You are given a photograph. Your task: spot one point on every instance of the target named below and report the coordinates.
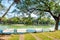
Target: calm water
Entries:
(31, 29)
(6, 27)
(3, 27)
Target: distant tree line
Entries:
(27, 21)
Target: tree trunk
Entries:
(7, 10)
(0, 20)
(56, 25)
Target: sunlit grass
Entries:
(43, 37)
(29, 37)
(55, 34)
(14, 37)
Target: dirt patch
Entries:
(21, 37)
(4, 37)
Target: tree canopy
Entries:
(41, 6)
(50, 6)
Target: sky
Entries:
(7, 4)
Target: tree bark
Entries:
(56, 20)
(56, 25)
(7, 10)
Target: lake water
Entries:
(3, 27)
(6, 27)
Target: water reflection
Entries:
(29, 29)
(3, 27)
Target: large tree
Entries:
(50, 6)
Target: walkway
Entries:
(4, 37)
(21, 37)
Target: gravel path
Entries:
(21, 37)
(5, 37)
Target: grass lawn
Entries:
(43, 36)
(14, 37)
(29, 37)
(53, 34)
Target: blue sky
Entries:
(7, 4)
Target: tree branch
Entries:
(38, 9)
(45, 11)
(7, 10)
(49, 10)
(46, 4)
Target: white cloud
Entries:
(33, 15)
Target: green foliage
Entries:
(4, 20)
(45, 20)
(27, 21)
(14, 20)
(52, 5)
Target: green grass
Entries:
(53, 34)
(26, 26)
(14, 37)
(29, 37)
(43, 37)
